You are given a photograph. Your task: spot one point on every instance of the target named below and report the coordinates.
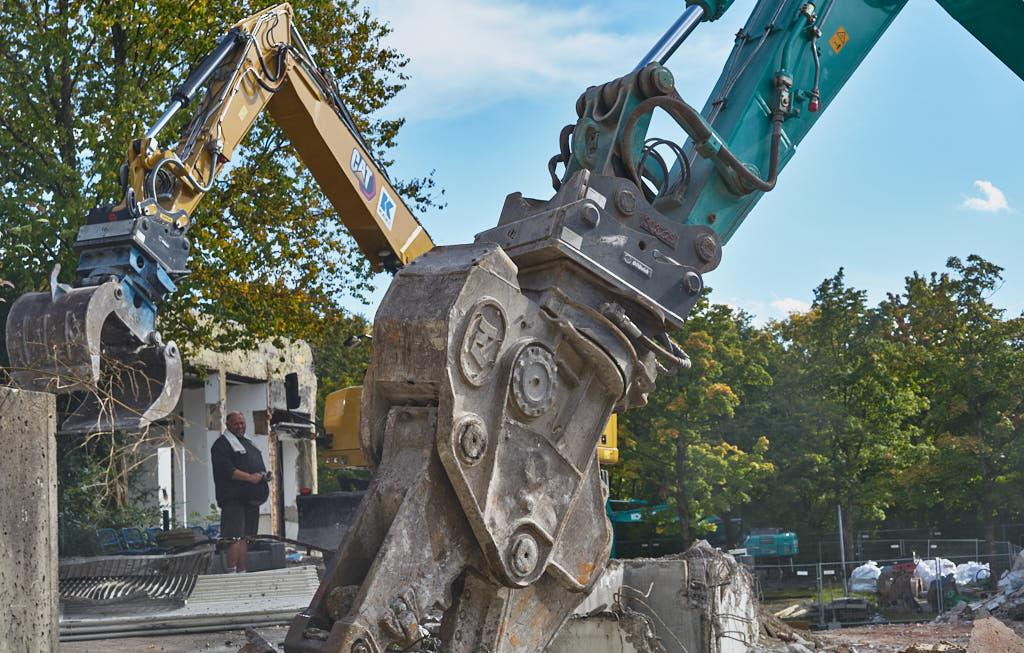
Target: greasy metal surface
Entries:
(88, 339)
(606, 225)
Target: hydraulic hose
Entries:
(692, 122)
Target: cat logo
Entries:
(364, 173)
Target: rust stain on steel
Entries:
(525, 602)
(436, 541)
(541, 619)
(585, 571)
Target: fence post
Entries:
(821, 598)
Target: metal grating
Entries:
(112, 579)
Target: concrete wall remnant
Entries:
(698, 601)
(28, 522)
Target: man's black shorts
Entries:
(238, 519)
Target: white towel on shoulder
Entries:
(233, 441)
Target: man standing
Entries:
(240, 479)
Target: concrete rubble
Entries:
(700, 600)
(1007, 604)
(991, 636)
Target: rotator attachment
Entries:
(94, 339)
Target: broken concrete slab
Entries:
(605, 632)
(992, 636)
(701, 600)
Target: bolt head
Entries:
(625, 201)
(472, 441)
(663, 80)
(692, 283)
(707, 248)
(524, 554)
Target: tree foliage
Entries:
(856, 434)
(971, 361)
(904, 414)
(79, 79)
(675, 444)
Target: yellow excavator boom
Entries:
(100, 335)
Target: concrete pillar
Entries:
(28, 522)
(204, 411)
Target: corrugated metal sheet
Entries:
(224, 601)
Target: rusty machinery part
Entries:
(481, 413)
(459, 493)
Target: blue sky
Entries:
(918, 159)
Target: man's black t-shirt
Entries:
(226, 460)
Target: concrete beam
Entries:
(28, 522)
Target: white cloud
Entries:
(469, 54)
(993, 201)
(790, 305)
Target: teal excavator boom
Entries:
(788, 64)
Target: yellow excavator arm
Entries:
(100, 336)
(268, 66)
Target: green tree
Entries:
(675, 443)
(80, 79)
(972, 360)
(846, 388)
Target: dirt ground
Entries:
(893, 638)
(868, 639)
(226, 641)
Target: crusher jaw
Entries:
(94, 339)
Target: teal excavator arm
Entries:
(788, 64)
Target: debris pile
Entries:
(776, 635)
(1007, 604)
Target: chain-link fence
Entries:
(906, 542)
(823, 594)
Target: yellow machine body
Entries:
(341, 421)
(608, 449)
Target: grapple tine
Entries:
(90, 339)
(136, 388)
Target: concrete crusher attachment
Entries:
(92, 340)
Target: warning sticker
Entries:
(839, 39)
